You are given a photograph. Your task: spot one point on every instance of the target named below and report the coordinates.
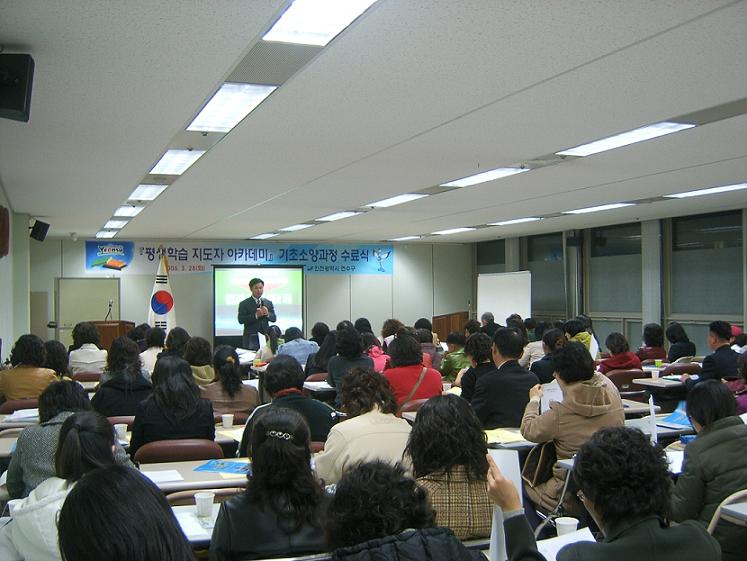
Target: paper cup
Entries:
(654, 374)
(204, 503)
(566, 525)
(446, 386)
(121, 431)
(227, 420)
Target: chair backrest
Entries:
(315, 446)
(87, 376)
(412, 405)
(318, 377)
(15, 404)
(178, 451)
(683, 360)
(733, 498)
(122, 420)
(678, 369)
(182, 498)
(623, 380)
(698, 358)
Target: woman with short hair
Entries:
(621, 358)
(27, 378)
(478, 350)
(409, 378)
(199, 355)
(85, 354)
(653, 343)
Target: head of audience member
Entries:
(174, 388)
(155, 338)
(139, 332)
(284, 373)
(116, 502)
(424, 336)
(559, 324)
(349, 343)
(86, 442)
(552, 340)
(197, 352)
(461, 440)
(572, 363)
(327, 350)
(455, 341)
(477, 348)
(740, 340)
(362, 325)
(514, 317)
(374, 500)
(573, 327)
(518, 325)
(653, 335)
(487, 318)
(369, 341)
(85, 333)
(708, 402)
(227, 369)
(176, 340)
(56, 357)
(319, 332)
(470, 327)
(28, 350)
(345, 324)
(616, 343)
(257, 286)
(586, 320)
(281, 470)
(719, 333)
(273, 337)
(363, 390)
(61, 397)
(622, 478)
(676, 333)
(124, 356)
(390, 327)
(508, 344)
(291, 334)
(405, 350)
(539, 328)
(423, 323)
(530, 324)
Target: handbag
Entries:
(414, 388)
(539, 464)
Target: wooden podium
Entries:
(110, 330)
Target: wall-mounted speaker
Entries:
(39, 230)
(16, 78)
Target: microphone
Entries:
(111, 303)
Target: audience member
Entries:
(318, 362)
(296, 346)
(431, 351)
(739, 343)
(380, 513)
(447, 448)
(575, 331)
(344, 324)
(33, 460)
(715, 464)
(621, 358)
(370, 432)
(281, 514)
(319, 332)
(679, 343)
(388, 330)
(531, 324)
(407, 376)
(372, 348)
(533, 350)
(455, 360)
(284, 381)
(117, 514)
(722, 362)
(478, 352)
(55, 358)
(227, 393)
(138, 334)
(174, 410)
(349, 355)
(543, 368)
(85, 355)
(593, 344)
(425, 323)
(653, 343)
(124, 386)
(588, 405)
(175, 341)
(624, 484)
(155, 339)
(740, 388)
(488, 325)
(199, 355)
(470, 327)
(501, 395)
(27, 378)
(272, 341)
(86, 443)
(362, 325)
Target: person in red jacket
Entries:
(620, 356)
(408, 372)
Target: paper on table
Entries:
(163, 476)
(550, 392)
(550, 547)
(235, 434)
(675, 458)
(508, 462)
(191, 527)
(253, 383)
(503, 436)
(23, 415)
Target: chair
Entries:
(13, 405)
(679, 369)
(698, 358)
(318, 377)
(623, 380)
(733, 498)
(315, 446)
(182, 498)
(122, 420)
(178, 451)
(412, 405)
(87, 376)
(683, 360)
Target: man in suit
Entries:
(501, 395)
(722, 362)
(255, 314)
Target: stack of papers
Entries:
(163, 476)
(21, 415)
(550, 548)
(675, 458)
(503, 436)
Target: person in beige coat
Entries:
(371, 432)
(589, 404)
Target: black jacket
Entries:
(248, 316)
(680, 349)
(543, 369)
(721, 363)
(501, 395)
(249, 530)
(469, 379)
(431, 544)
(121, 395)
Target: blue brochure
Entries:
(226, 466)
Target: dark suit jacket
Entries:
(543, 369)
(248, 318)
(721, 363)
(501, 395)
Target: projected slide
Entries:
(283, 286)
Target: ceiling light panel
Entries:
(453, 231)
(398, 200)
(176, 162)
(264, 236)
(106, 234)
(626, 138)
(485, 176)
(515, 221)
(230, 104)
(337, 216)
(315, 22)
(709, 191)
(115, 224)
(128, 211)
(147, 192)
(599, 208)
(296, 227)
(404, 239)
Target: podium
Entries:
(110, 330)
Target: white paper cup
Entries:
(654, 374)
(446, 386)
(204, 503)
(121, 431)
(227, 420)
(566, 525)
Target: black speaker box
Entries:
(39, 230)
(16, 78)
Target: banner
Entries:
(161, 308)
(198, 257)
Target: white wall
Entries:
(6, 292)
(427, 280)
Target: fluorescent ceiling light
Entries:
(453, 231)
(515, 221)
(398, 200)
(264, 236)
(485, 176)
(115, 224)
(230, 104)
(709, 191)
(337, 216)
(315, 22)
(106, 234)
(176, 162)
(599, 208)
(128, 211)
(625, 138)
(147, 192)
(296, 227)
(404, 239)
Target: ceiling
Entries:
(413, 94)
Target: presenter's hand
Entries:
(263, 311)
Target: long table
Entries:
(180, 476)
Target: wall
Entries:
(6, 291)
(428, 280)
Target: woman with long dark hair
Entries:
(56, 358)
(123, 385)
(281, 512)
(679, 343)
(227, 393)
(318, 361)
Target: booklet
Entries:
(226, 466)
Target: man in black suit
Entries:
(722, 363)
(255, 314)
(489, 327)
(501, 395)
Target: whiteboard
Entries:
(504, 294)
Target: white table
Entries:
(191, 479)
(197, 530)
(659, 383)
(20, 423)
(737, 511)
(664, 432)
(7, 445)
(637, 408)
